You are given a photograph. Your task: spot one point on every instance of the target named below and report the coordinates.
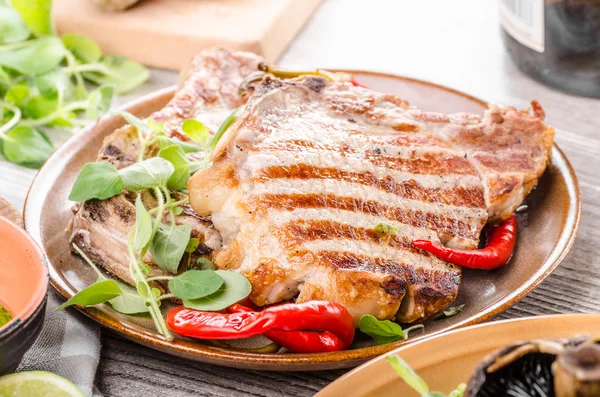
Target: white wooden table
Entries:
(455, 43)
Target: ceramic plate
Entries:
(447, 360)
(546, 232)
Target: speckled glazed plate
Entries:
(547, 231)
(447, 360)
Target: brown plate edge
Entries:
(332, 360)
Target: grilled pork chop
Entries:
(208, 93)
(310, 167)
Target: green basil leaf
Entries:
(37, 14)
(147, 174)
(135, 121)
(434, 394)
(178, 211)
(99, 292)
(155, 126)
(386, 229)
(143, 290)
(36, 56)
(168, 246)
(142, 232)
(408, 375)
(5, 80)
(50, 83)
(96, 180)
(235, 288)
(121, 72)
(203, 264)
(26, 146)
(129, 302)
(18, 95)
(40, 106)
(195, 284)
(99, 101)
(228, 121)
(196, 131)
(175, 155)
(454, 310)
(192, 245)
(382, 331)
(459, 391)
(164, 142)
(5, 316)
(12, 27)
(82, 47)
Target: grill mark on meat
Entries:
(409, 189)
(406, 127)
(415, 218)
(96, 210)
(427, 164)
(303, 230)
(514, 162)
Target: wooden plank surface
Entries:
(452, 43)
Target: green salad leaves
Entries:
(385, 331)
(156, 231)
(416, 382)
(45, 81)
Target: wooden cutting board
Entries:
(167, 33)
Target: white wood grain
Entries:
(455, 43)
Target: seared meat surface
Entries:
(208, 93)
(310, 167)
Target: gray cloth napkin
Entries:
(69, 346)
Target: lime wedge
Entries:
(37, 384)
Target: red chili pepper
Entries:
(332, 318)
(357, 84)
(497, 252)
(300, 341)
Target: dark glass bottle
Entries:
(557, 41)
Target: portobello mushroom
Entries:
(539, 368)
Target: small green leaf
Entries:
(192, 245)
(196, 131)
(178, 211)
(175, 155)
(155, 126)
(408, 375)
(168, 246)
(40, 106)
(195, 284)
(129, 302)
(26, 146)
(18, 95)
(36, 56)
(203, 264)
(454, 310)
(459, 392)
(5, 316)
(164, 142)
(143, 290)
(136, 122)
(147, 174)
(12, 27)
(121, 72)
(37, 14)
(235, 288)
(228, 121)
(96, 180)
(99, 292)
(382, 331)
(82, 47)
(99, 102)
(142, 232)
(386, 229)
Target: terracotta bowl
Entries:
(23, 288)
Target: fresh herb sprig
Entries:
(416, 382)
(164, 240)
(44, 80)
(384, 331)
